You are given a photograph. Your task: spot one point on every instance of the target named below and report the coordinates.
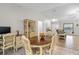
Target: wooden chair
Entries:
(52, 45)
(42, 34)
(8, 42)
(48, 50)
(49, 34)
(18, 42)
(32, 34)
(28, 48)
(26, 45)
(1, 42)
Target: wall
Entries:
(74, 21)
(62, 15)
(13, 16)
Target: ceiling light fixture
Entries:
(54, 20)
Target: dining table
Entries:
(35, 42)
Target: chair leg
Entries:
(14, 49)
(3, 51)
(41, 51)
(50, 52)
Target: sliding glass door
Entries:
(68, 28)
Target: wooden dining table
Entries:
(40, 44)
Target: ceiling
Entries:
(64, 11)
(39, 7)
(59, 10)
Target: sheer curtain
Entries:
(40, 29)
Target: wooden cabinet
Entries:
(29, 28)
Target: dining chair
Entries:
(1, 41)
(26, 45)
(18, 42)
(42, 34)
(29, 50)
(50, 49)
(32, 34)
(49, 34)
(8, 42)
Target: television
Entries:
(5, 30)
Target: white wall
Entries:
(46, 24)
(74, 21)
(63, 17)
(13, 16)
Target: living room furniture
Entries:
(1, 43)
(49, 34)
(54, 41)
(49, 49)
(29, 28)
(28, 48)
(18, 42)
(61, 34)
(26, 45)
(32, 34)
(40, 44)
(8, 42)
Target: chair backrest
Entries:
(42, 34)
(26, 44)
(54, 41)
(49, 34)
(32, 34)
(8, 39)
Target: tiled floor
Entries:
(71, 42)
(57, 51)
(64, 51)
(69, 46)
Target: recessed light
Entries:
(54, 20)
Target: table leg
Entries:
(41, 52)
